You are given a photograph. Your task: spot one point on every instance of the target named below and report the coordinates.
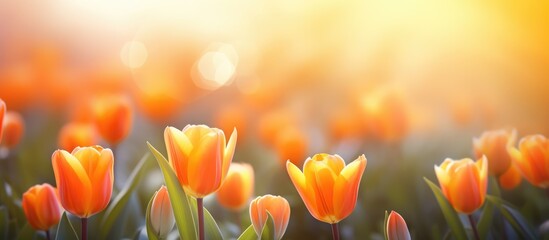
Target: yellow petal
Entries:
(346, 187)
(229, 152)
(205, 165)
(73, 183)
(300, 183)
(179, 147)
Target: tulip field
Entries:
(383, 120)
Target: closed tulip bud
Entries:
(464, 183)
(14, 128)
(328, 188)
(532, 159)
(2, 114)
(200, 157)
(493, 145)
(76, 134)
(113, 118)
(396, 227)
(84, 179)
(161, 215)
(277, 206)
(237, 188)
(511, 178)
(41, 207)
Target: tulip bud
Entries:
(396, 227)
(41, 206)
(532, 159)
(84, 178)
(277, 206)
(238, 187)
(13, 129)
(464, 183)
(76, 134)
(113, 118)
(493, 144)
(161, 215)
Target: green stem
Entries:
(473, 226)
(84, 229)
(200, 208)
(335, 231)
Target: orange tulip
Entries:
(84, 178)
(14, 128)
(199, 157)
(113, 117)
(511, 178)
(76, 134)
(328, 188)
(161, 215)
(291, 144)
(2, 113)
(396, 227)
(238, 187)
(532, 159)
(277, 206)
(41, 206)
(464, 183)
(230, 117)
(493, 144)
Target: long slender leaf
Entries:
(65, 230)
(211, 229)
(450, 214)
(516, 220)
(268, 231)
(248, 234)
(120, 202)
(151, 234)
(180, 204)
(485, 220)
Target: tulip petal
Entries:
(102, 181)
(301, 184)
(205, 163)
(465, 194)
(179, 147)
(346, 187)
(87, 157)
(228, 153)
(73, 183)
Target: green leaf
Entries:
(450, 214)
(211, 229)
(485, 220)
(26, 232)
(494, 187)
(115, 209)
(516, 220)
(4, 222)
(248, 234)
(151, 234)
(65, 230)
(385, 225)
(178, 198)
(268, 231)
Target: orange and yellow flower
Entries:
(511, 178)
(464, 183)
(328, 188)
(161, 216)
(41, 206)
(14, 128)
(237, 188)
(532, 159)
(76, 134)
(493, 145)
(113, 117)
(277, 206)
(291, 144)
(2, 114)
(199, 157)
(84, 179)
(396, 227)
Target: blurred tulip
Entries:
(291, 144)
(18, 87)
(493, 144)
(41, 207)
(84, 178)
(277, 206)
(328, 188)
(386, 115)
(76, 134)
(271, 124)
(511, 178)
(238, 187)
(13, 129)
(199, 157)
(344, 124)
(464, 183)
(232, 117)
(396, 227)
(2, 114)
(161, 215)
(113, 117)
(532, 159)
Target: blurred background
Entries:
(407, 83)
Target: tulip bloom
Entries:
(328, 188)
(2, 113)
(84, 179)
(41, 207)
(76, 134)
(532, 159)
(14, 128)
(291, 144)
(464, 183)
(113, 118)
(161, 215)
(199, 157)
(511, 178)
(396, 227)
(277, 206)
(494, 144)
(237, 188)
